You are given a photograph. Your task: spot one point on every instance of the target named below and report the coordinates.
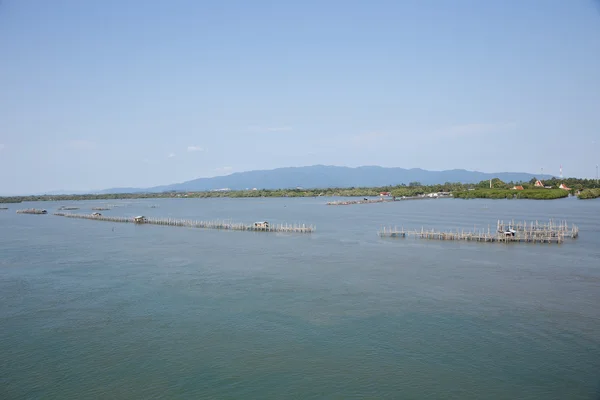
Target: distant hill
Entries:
(323, 176)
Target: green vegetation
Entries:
(495, 184)
(589, 194)
(536, 194)
(587, 188)
(413, 189)
(573, 183)
(500, 190)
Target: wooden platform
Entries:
(474, 236)
(542, 228)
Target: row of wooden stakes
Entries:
(188, 223)
(508, 235)
(550, 232)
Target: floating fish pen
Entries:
(363, 201)
(477, 236)
(188, 223)
(100, 208)
(390, 200)
(3, 208)
(32, 211)
(68, 208)
(550, 227)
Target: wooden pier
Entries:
(32, 211)
(223, 225)
(477, 236)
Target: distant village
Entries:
(540, 184)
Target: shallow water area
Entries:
(93, 309)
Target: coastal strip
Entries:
(188, 223)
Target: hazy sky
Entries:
(98, 94)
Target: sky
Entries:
(100, 94)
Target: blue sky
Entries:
(98, 94)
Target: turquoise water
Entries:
(93, 309)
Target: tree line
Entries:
(482, 189)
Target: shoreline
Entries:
(371, 200)
(369, 195)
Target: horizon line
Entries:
(59, 192)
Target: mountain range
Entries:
(325, 176)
